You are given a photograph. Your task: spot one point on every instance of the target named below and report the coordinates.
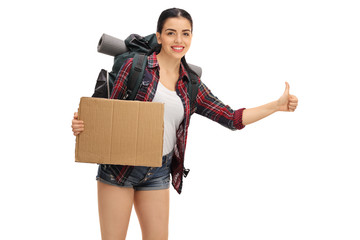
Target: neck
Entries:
(168, 64)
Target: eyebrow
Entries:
(185, 30)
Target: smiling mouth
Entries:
(178, 48)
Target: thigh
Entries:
(115, 205)
(152, 209)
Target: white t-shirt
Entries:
(173, 115)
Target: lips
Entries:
(178, 48)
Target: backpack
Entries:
(139, 48)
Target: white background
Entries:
(290, 176)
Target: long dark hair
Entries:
(174, 13)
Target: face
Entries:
(175, 37)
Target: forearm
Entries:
(251, 115)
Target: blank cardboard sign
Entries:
(120, 132)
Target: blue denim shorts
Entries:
(140, 178)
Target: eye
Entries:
(170, 33)
(187, 34)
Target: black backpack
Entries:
(138, 48)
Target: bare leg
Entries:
(152, 209)
(115, 205)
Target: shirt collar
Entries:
(153, 63)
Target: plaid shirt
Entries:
(206, 105)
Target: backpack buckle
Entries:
(138, 69)
(186, 172)
(127, 94)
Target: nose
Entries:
(178, 38)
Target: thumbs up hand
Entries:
(287, 102)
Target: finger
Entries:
(293, 101)
(74, 122)
(293, 98)
(292, 108)
(80, 127)
(287, 88)
(76, 115)
(77, 132)
(77, 127)
(77, 122)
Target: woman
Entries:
(166, 78)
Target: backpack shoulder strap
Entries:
(136, 75)
(193, 88)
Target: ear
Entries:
(158, 38)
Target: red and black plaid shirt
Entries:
(206, 105)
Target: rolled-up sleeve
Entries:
(208, 105)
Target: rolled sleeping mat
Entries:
(113, 46)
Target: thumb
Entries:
(76, 115)
(287, 88)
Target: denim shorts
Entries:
(140, 178)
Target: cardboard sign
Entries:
(120, 132)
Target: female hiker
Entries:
(165, 80)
